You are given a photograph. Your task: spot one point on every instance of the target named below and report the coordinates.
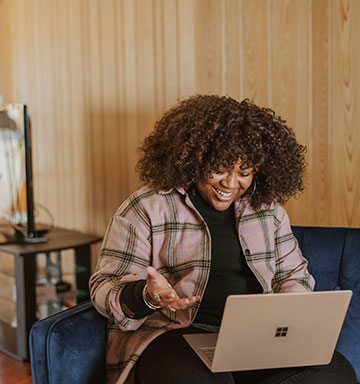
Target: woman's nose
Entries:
(230, 180)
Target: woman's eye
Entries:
(247, 172)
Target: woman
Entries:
(208, 223)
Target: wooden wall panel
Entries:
(232, 50)
(186, 47)
(109, 102)
(64, 132)
(320, 164)
(78, 119)
(97, 74)
(290, 77)
(7, 47)
(130, 84)
(345, 117)
(255, 50)
(6, 64)
(208, 38)
(95, 109)
(147, 94)
(41, 107)
(170, 54)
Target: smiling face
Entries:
(221, 189)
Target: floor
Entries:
(13, 371)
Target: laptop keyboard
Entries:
(208, 352)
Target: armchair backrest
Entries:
(334, 261)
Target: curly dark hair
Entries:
(206, 133)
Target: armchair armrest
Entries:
(69, 347)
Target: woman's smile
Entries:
(223, 195)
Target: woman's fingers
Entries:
(156, 279)
(154, 275)
(185, 303)
(168, 294)
(164, 295)
(159, 288)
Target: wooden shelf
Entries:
(20, 271)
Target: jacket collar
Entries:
(180, 190)
(241, 204)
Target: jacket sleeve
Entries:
(124, 256)
(291, 273)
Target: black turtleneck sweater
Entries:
(229, 273)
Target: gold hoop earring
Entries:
(254, 189)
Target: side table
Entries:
(25, 282)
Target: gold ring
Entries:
(157, 297)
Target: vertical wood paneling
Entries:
(109, 97)
(39, 156)
(78, 123)
(255, 51)
(170, 41)
(85, 86)
(186, 47)
(158, 58)
(43, 114)
(290, 71)
(56, 134)
(97, 74)
(6, 63)
(208, 46)
(345, 102)
(147, 94)
(64, 140)
(233, 53)
(121, 127)
(95, 79)
(68, 63)
(320, 165)
(131, 83)
(18, 57)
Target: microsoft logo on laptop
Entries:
(281, 331)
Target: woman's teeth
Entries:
(223, 193)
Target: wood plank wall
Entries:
(96, 74)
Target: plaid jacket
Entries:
(163, 229)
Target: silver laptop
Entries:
(274, 331)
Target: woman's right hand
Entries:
(163, 294)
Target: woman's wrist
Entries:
(148, 299)
(131, 301)
(127, 311)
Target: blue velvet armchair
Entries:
(69, 347)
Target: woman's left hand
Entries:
(162, 293)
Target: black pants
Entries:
(169, 360)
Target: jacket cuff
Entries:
(131, 301)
